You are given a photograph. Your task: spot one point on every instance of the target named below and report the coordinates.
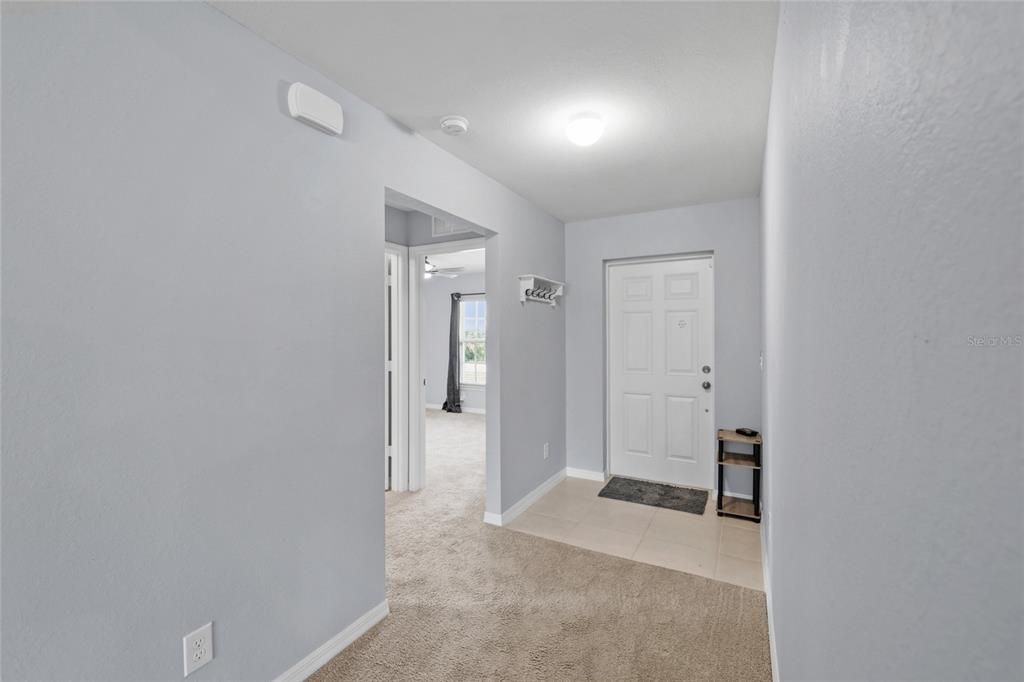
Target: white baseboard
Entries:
(335, 645)
(766, 577)
(468, 410)
(587, 474)
(519, 507)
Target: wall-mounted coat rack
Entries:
(540, 289)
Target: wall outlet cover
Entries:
(198, 647)
(547, 450)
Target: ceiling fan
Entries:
(431, 270)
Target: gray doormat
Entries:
(656, 494)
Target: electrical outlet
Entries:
(547, 450)
(198, 647)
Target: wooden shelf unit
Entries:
(737, 506)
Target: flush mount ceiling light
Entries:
(584, 129)
(455, 125)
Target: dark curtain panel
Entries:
(453, 401)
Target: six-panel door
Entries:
(660, 337)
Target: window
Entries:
(473, 341)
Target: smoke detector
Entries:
(455, 125)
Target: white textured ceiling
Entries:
(683, 88)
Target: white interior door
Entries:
(661, 344)
(390, 366)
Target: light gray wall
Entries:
(396, 226)
(420, 228)
(436, 301)
(732, 230)
(535, 334)
(414, 228)
(191, 410)
(893, 213)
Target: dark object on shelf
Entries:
(744, 431)
(737, 506)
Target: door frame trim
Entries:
(400, 389)
(661, 258)
(417, 397)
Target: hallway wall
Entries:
(893, 208)
(192, 356)
(731, 230)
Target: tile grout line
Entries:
(643, 535)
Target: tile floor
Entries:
(716, 547)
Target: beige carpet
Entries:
(475, 602)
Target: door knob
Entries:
(706, 385)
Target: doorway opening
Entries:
(453, 357)
(436, 345)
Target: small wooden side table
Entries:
(737, 506)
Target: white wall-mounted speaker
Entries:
(315, 108)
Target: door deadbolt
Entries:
(706, 369)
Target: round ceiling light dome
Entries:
(455, 125)
(584, 129)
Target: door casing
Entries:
(711, 436)
(400, 362)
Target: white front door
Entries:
(661, 345)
